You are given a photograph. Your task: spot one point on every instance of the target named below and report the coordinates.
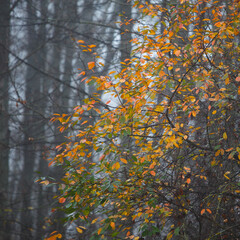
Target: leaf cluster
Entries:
(162, 156)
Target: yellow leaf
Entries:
(79, 230)
(159, 108)
(177, 52)
(46, 182)
(170, 235)
(225, 136)
(116, 166)
(194, 113)
(91, 65)
(112, 224)
(94, 220)
(227, 80)
(225, 175)
(77, 198)
(82, 154)
(222, 151)
(187, 169)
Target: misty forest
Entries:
(120, 119)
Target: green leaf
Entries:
(99, 150)
(115, 234)
(176, 231)
(122, 119)
(134, 158)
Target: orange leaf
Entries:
(188, 180)
(112, 224)
(54, 237)
(102, 157)
(84, 122)
(152, 165)
(209, 211)
(99, 231)
(153, 173)
(82, 73)
(92, 46)
(83, 79)
(218, 24)
(62, 200)
(217, 152)
(51, 163)
(238, 79)
(91, 65)
(123, 160)
(203, 211)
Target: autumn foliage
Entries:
(160, 158)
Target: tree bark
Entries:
(32, 123)
(4, 128)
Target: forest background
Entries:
(147, 102)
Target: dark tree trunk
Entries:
(32, 124)
(4, 128)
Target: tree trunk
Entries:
(32, 123)
(42, 204)
(4, 129)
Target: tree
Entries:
(42, 56)
(4, 120)
(177, 100)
